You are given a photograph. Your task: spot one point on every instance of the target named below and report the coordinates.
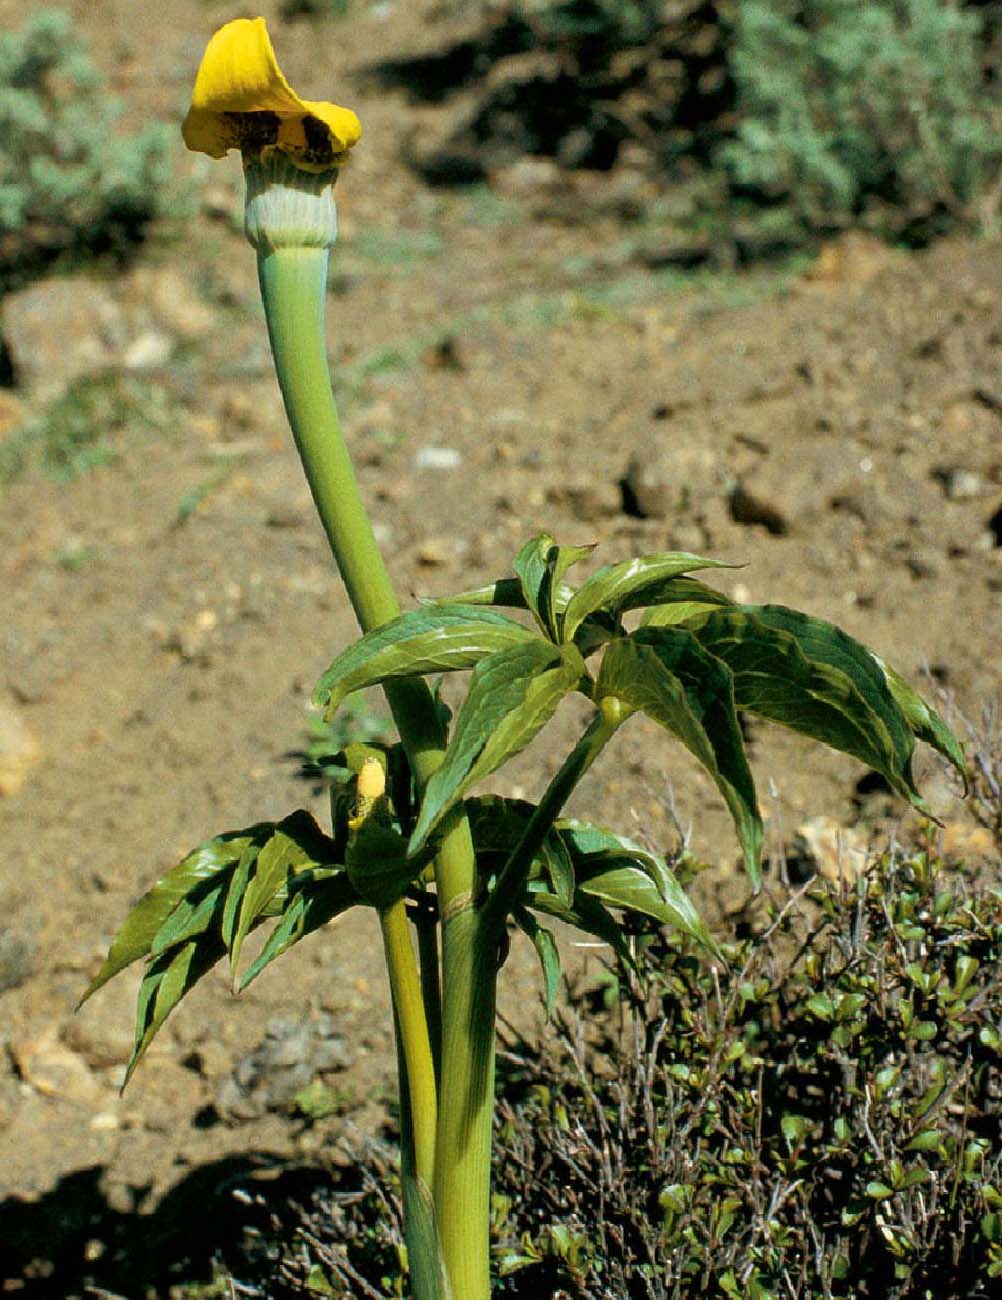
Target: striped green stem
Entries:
(413, 1037)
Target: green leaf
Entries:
(235, 892)
(775, 679)
(629, 585)
(378, 865)
(547, 952)
(433, 639)
(167, 979)
(682, 599)
(556, 863)
(540, 566)
(630, 887)
(595, 850)
(506, 593)
(585, 913)
(297, 843)
(314, 898)
(424, 1254)
(666, 673)
(923, 719)
(512, 695)
(145, 920)
(193, 916)
(824, 643)
(534, 575)
(497, 825)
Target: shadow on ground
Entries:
(232, 1213)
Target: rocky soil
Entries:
(505, 362)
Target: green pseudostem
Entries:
(291, 222)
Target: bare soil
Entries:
(834, 426)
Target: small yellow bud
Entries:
(371, 780)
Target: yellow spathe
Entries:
(242, 101)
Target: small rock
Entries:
(10, 1097)
(961, 484)
(823, 847)
(284, 514)
(290, 1056)
(177, 305)
(60, 329)
(119, 1196)
(19, 750)
(222, 203)
(855, 258)
(17, 959)
(55, 1070)
(446, 354)
(798, 481)
(924, 562)
(192, 640)
(12, 413)
(748, 507)
(587, 499)
(438, 458)
(959, 418)
(665, 476)
(962, 840)
(148, 351)
(527, 177)
(435, 552)
(210, 1059)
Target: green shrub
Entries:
(616, 23)
(876, 111)
(819, 1120)
(68, 181)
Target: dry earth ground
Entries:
(504, 364)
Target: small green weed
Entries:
(192, 499)
(75, 558)
(74, 433)
(319, 1100)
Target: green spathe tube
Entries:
(291, 221)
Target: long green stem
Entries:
(293, 288)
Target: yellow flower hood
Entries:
(242, 101)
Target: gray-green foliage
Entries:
(848, 107)
(69, 180)
(615, 22)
